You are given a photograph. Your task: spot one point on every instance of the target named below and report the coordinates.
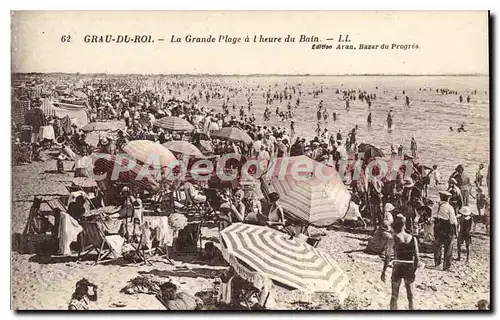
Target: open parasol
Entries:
(309, 191)
(150, 152)
(183, 147)
(234, 134)
(370, 151)
(173, 124)
(286, 260)
(116, 167)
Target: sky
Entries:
(449, 42)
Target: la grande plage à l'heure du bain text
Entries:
(338, 42)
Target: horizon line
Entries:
(260, 74)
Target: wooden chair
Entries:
(191, 207)
(94, 236)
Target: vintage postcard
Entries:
(250, 160)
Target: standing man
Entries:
(445, 228)
(369, 120)
(36, 119)
(375, 194)
(413, 147)
(405, 263)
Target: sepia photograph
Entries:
(250, 160)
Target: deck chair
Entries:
(191, 206)
(93, 239)
(56, 203)
(140, 250)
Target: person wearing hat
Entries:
(465, 227)
(126, 201)
(388, 218)
(103, 143)
(445, 228)
(276, 216)
(121, 141)
(317, 151)
(405, 263)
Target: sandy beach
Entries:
(44, 283)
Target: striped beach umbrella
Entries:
(275, 255)
(309, 190)
(117, 167)
(184, 147)
(150, 152)
(174, 124)
(312, 200)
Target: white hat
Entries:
(465, 211)
(388, 207)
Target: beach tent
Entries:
(77, 113)
(286, 260)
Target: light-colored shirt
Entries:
(388, 217)
(256, 147)
(446, 212)
(342, 152)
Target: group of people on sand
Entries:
(396, 210)
(397, 238)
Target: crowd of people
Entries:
(395, 209)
